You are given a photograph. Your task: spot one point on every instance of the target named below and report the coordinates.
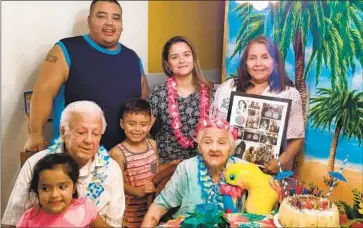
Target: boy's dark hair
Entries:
(135, 105)
(95, 1)
(54, 161)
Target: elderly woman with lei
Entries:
(197, 180)
(181, 103)
(262, 72)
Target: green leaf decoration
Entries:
(249, 225)
(253, 217)
(190, 221)
(357, 197)
(205, 215)
(349, 211)
(351, 222)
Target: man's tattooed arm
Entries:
(51, 58)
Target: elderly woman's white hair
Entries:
(80, 107)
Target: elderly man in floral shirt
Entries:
(100, 181)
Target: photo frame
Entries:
(261, 122)
(27, 98)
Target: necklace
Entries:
(99, 174)
(211, 192)
(176, 125)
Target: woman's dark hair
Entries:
(135, 105)
(278, 79)
(198, 77)
(55, 161)
(243, 103)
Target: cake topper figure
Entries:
(337, 176)
(282, 175)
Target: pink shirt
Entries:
(80, 213)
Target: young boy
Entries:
(137, 158)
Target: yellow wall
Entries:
(200, 21)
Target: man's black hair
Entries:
(95, 1)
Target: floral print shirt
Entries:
(168, 147)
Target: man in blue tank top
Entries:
(92, 67)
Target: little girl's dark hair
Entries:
(54, 161)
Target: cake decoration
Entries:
(337, 176)
(308, 211)
(304, 208)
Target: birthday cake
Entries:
(308, 211)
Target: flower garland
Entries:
(210, 191)
(219, 123)
(171, 86)
(99, 174)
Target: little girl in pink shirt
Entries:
(53, 182)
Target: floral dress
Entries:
(168, 147)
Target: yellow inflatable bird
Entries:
(262, 189)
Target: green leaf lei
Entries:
(99, 174)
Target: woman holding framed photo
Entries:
(262, 72)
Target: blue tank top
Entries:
(108, 78)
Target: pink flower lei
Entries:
(176, 125)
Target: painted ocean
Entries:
(317, 147)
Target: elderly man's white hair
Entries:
(81, 107)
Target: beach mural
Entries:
(322, 43)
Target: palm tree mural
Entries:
(337, 38)
(335, 44)
(341, 43)
(342, 108)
